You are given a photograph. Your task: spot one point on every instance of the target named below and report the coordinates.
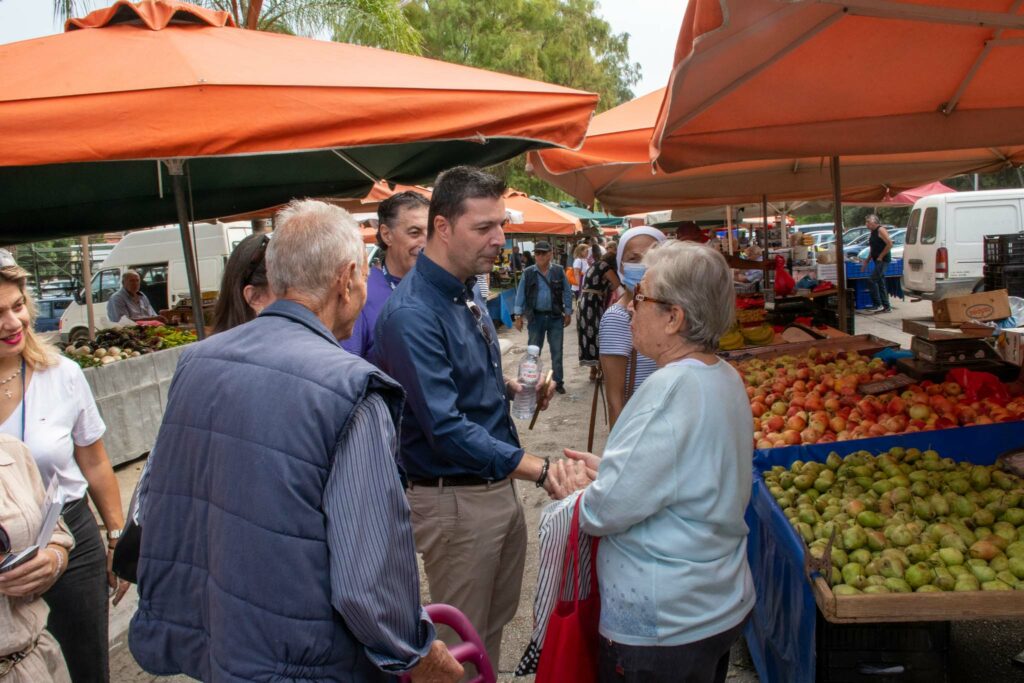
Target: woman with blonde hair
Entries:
(579, 268)
(46, 403)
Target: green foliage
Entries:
(559, 41)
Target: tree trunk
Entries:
(252, 18)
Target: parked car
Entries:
(822, 240)
(851, 234)
(945, 239)
(58, 288)
(898, 238)
(50, 309)
(852, 249)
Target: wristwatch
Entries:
(113, 534)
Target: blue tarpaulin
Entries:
(500, 307)
(780, 634)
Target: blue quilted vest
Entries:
(234, 576)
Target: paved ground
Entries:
(981, 650)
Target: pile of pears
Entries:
(907, 521)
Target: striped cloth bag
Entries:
(555, 524)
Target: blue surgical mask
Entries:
(632, 273)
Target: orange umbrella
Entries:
(378, 193)
(613, 167)
(136, 98)
(539, 218)
(766, 79)
(88, 116)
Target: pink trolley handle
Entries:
(470, 650)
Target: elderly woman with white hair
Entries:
(668, 496)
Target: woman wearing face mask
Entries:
(244, 291)
(615, 340)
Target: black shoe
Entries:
(887, 309)
(560, 389)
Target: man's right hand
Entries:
(518, 323)
(438, 666)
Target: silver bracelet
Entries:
(60, 562)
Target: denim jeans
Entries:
(546, 324)
(876, 285)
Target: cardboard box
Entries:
(828, 272)
(981, 306)
(1010, 345)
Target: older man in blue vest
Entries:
(277, 540)
(544, 300)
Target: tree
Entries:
(564, 42)
(378, 23)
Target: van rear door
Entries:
(969, 223)
(919, 249)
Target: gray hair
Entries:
(873, 217)
(312, 241)
(130, 271)
(697, 279)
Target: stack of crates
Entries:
(1004, 263)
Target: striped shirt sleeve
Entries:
(374, 577)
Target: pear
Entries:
(843, 589)
(944, 579)
(1015, 549)
(999, 563)
(981, 478)
(854, 537)
(853, 575)
(919, 574)
(877, 589)
(1016, 566)
(928, 588)
(871, 520)
(951, 556)
(1014, 516)
(958, 570)
(995, 585)
(897, 585)
(983, 573)
(861, 556)
(964, 585)
(984, 550)
(1008, 578)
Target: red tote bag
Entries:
(570, 644)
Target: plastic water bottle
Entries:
(529, 376)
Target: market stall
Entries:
(845, 518)
(129, 371)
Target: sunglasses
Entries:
(256, 260)
(639, 297)
(478, 315)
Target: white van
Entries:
(158, 257)
(944, 254)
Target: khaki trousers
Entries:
(473, 542)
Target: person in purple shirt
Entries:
(401, 235)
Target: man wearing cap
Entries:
(544, 299)
(401, 235)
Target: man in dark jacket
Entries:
(278, 543)
(544, 299)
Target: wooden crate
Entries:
(909, 607)
(864, 344)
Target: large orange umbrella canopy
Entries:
(763, 79)
(86, 116)
(613, 167)
(539, 218)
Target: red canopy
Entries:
(909, 197)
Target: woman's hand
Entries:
(590, 461)
(37, 575)
(118, 586)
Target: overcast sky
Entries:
(653, 26)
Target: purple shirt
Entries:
(378, 288)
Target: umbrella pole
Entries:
(176, 169)
(837, 217)
(728, 227)
(87, 277)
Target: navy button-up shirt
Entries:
(456, 419)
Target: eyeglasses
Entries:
(5, 542)
(257, 259)
(481, 325)
(638, 297)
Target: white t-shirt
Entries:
(61, 414)
(581, 267)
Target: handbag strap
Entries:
(631, 375)
(572, 557)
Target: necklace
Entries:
(7, 392)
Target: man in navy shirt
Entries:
(460, 449)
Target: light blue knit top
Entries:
(669, 499)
